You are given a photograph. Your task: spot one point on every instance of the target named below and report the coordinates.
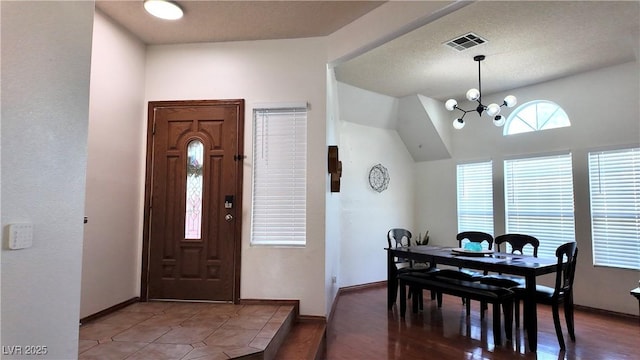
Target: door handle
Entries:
(228, 217)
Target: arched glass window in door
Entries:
(535, 116)
(193, 214)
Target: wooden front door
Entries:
(191, 248)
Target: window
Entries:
(279, 177)
(539, 200)
(193, 212)
(614, 183)
(475, 197)
(535, 116)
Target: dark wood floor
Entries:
(362, 328)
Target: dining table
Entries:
(526, 266)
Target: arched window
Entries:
(534, 116)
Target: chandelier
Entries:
(492, 110)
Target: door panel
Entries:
(180, 264)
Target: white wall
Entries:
(46, 52)
(436, 200)
(333, 235)
(603, 108)
(366, 214)
(367, 108)
(115, 169)
(259, 72)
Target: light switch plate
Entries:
(20, 236)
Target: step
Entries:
(307, 340)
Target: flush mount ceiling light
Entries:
(163, 9)
(492, 110)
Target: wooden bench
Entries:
(466, 289)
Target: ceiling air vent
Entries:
(465, 41)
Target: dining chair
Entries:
(466, 274)
(517, 242)
(561, 293)
(398, 237)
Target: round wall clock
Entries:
(379, 178)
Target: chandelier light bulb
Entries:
(510, 101)
(458, 124)
(450, 104)
(499, 120)
(473, 94)
(493, 109)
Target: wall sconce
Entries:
(335, 168)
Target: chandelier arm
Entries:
(464, 111)
(461, 109)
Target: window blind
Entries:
(279, 177)
(475, 197)
(614, 183)
(539, 200)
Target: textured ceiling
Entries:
(214, 21)
(528, 42)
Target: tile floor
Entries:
(180, 330)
